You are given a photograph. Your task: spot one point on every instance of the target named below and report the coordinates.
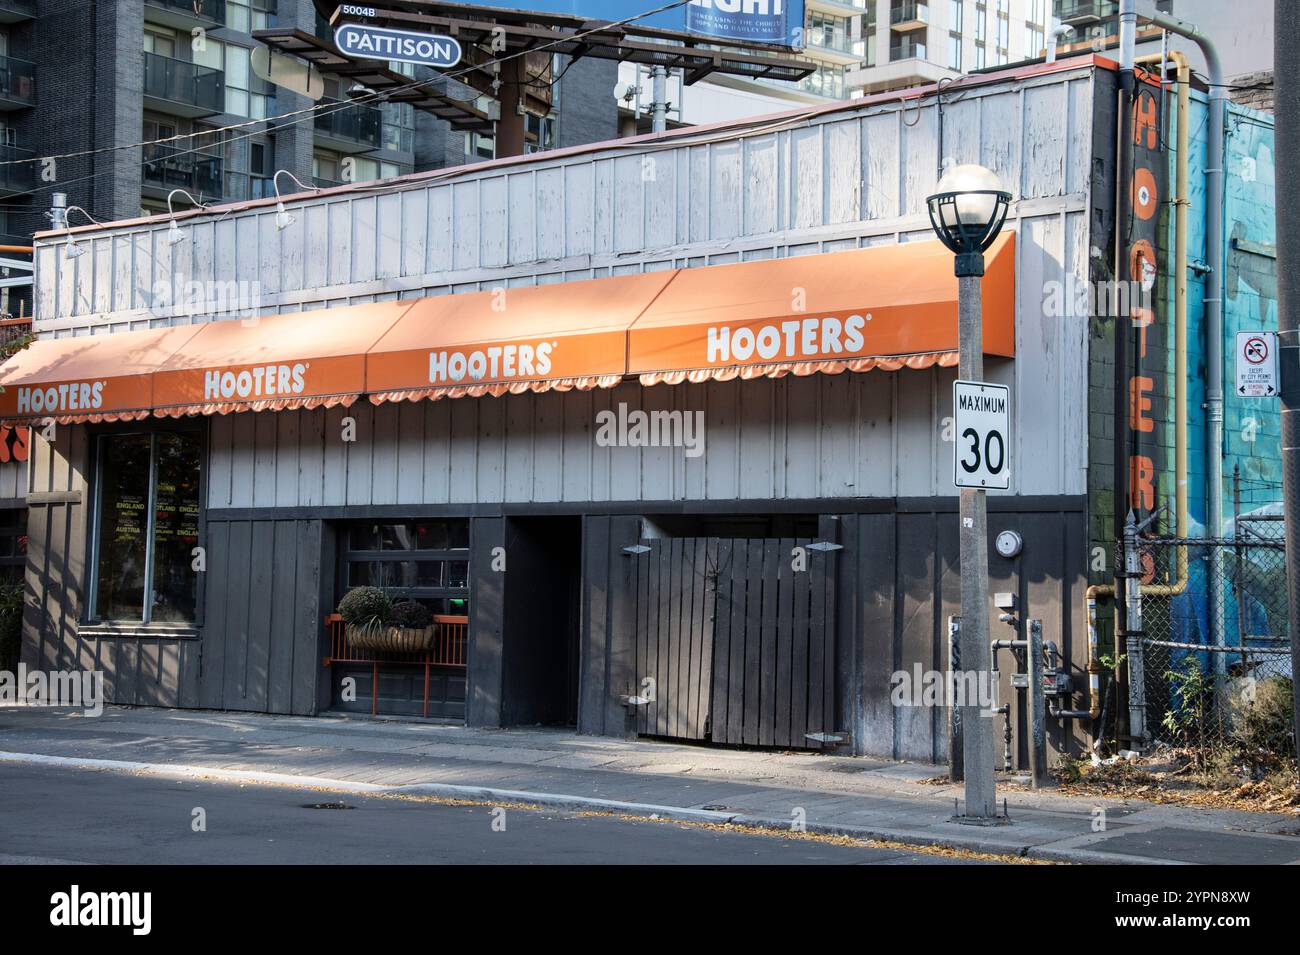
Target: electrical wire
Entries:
(310, 112)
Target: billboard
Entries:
(777, 22)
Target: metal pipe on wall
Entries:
(1216, 253)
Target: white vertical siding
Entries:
(848, 178)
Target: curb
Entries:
(574, 802)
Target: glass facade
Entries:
(426, 561)
(146, 527)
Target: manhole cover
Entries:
(327, 805)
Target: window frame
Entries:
(96, 435)
(346, 554)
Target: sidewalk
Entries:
(861, 797)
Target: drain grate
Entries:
(327, 805)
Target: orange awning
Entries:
(889, 307)
(509, 340)
(298, 360)
(88, 378)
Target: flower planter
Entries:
(390, 639)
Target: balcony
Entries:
(908, 47)
(166, 168)
(185, 14)
(182, 88)
(841, 7)
(19, 177)
(902, 74)
(835, 46)
(17, 11)
(17, 84)
(349, 129)
(909, 16)
(1085, 12)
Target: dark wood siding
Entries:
(897, 581)
(263, 638)
(259, 646)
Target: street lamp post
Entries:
(967, 211)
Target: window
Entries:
(954, 51)
(478, 146)
(869, 34)
(539, 133)
(828, 31)
(246, 94)
(398, 126)
(426, 561)
(13, 544)
(955, 16)
(146, 527)
(155, 41)
(981, 21)
(249, 15)
(981, 56)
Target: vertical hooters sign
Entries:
(1137, 297)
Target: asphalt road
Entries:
(54, 814)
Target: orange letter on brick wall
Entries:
(1144, 120)
(1141, 484)
(1139, 404)
(1142, 318)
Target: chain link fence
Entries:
(1216, 654)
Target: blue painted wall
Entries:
(1251, 425)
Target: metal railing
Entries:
(213, 10)
(907, 48)
(838, 41)
(1067, 10)
(19, 176)
(180, 81)
(26, 8)
(166, 167)
(450, 649)
(17, 79)
(909, 12)
(354, 123)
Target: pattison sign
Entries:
(362, 42)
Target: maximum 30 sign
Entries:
(981, 422)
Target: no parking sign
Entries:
(1257, 364)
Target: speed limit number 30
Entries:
(981, 422)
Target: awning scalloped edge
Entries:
(497, 389)
(947, 359)
(185, 411)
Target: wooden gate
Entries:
(736, 640)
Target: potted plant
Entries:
(365, 612)
(374, 622)
(411, 626)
